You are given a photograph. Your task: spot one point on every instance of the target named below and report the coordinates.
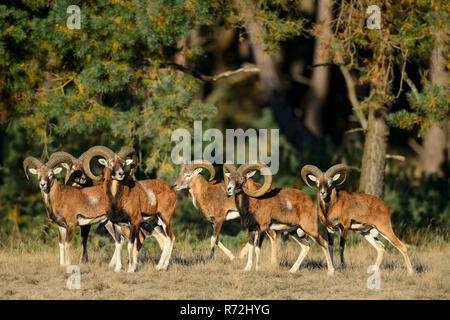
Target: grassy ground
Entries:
(37, 275)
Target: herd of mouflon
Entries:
(129, 207)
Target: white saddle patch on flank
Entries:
(93, 200)
(289, 204)
(150, 194)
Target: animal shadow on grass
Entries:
(308, 264)
(175, 259)
(393, 265)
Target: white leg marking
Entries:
(378, 246)
(62, 239)
(166, 251)
(158, 236)
(67, 253)
(248, 267)
(61, 254)
(226, 251)
(167, 245)
(405, 256)
(302, 255)
(244, 251)
(273, 243)
(257, 255)
(130, 256)
(329, 264)
(169, 254)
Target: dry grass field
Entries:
(37, 275)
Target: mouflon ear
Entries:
(250, 174)
(65, 165)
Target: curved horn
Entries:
(337, 168)
(261, 167)
(62, 154)
(59, 157)
(309, 168)
(203, 164)
(228, 167)
(33, 162)
(82, 156)
(129, 151)
(92, 152)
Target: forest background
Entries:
(135, 71)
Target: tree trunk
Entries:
(318, 91)
(291, 126)
(374, 156)
(435, 141)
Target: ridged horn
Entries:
(59, 157)
(228, 167)
(63, 154)
(129, 151)
(32, 162)
(261, 167)
(92, 152)
(310, 169)
(335, 169)
(202, 164)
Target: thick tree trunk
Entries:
(435, 141)
(318, 92)
(291, 126)
(373, 162)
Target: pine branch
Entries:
(411, 85)
(352, 96)
(229, 73)
(57, 88)
(395, 157)
(355, 130)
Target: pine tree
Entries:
(406, 33)
(110, 77)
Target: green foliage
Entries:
(427, 107)
(279, 19)
(423, 205)
(106, 83)
(408, 32)
(112, 83)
